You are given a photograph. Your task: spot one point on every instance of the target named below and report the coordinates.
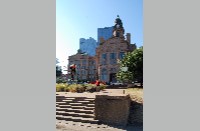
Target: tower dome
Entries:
(118, 29)
(118, 22)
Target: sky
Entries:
(77, 19)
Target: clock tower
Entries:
(118, 29)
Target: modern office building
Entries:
(104, 33)
(88, 46)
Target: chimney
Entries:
(128, 37)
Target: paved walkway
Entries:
(77, 126)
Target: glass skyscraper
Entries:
(105, 32)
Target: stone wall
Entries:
(112, 110)
(136, 114)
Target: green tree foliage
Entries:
(58, 71)
(58, 68)
(134, 62)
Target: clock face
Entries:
(117, 26)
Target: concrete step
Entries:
(76, 107)
(74, 103)
(83, 115)
(63, 106)
(79, 101)
(82, 104)
(77, 119)
(66, 100)
(75, 99)
(86, 101)
(75, 110)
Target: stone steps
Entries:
(75, 110)
(77, 98)
(75, 103)
(76, 107)
(77, 119)
(63, 113)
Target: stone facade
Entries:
(110, 51)
(85, 66)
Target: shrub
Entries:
(79, 87)
(102, 87)
(61, 87)
(72, 88)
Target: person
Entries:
(97, 83)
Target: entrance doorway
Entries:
(113, 77)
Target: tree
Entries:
(58, 71)
(134, 62)
(58, 68)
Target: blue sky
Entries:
(77, 19)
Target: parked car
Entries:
(116, 83)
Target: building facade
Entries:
(104, 64)
(111, 50)
(88, 45)
(104, 33)
(85, 66)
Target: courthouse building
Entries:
(104, 64)
(109, 51)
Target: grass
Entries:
(136, 94)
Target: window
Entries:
(103, 59)
(112, 58)
(104, 74)
(112, 55)
(103, 56)
(84, 62)
(121, 55)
